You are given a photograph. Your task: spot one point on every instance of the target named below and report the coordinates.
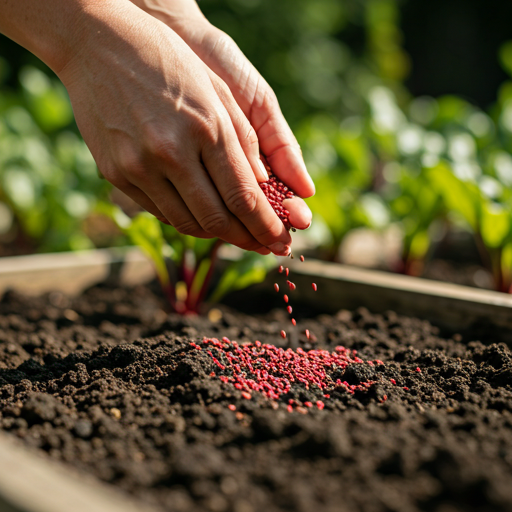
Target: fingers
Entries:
(278, 143)
(300, 214)
(193, 206)
(140, 198)
(244, 131)
(232, 177)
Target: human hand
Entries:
(165, 130)
(251, 92)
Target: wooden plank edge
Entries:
(30, 482)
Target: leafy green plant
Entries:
(185, 265)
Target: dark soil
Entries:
(110, 384)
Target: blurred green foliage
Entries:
(379, 156)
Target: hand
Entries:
(250, 91)
(166, 130)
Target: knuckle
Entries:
(188, 227)
(217, 223)
(242, 201)
(160, 146)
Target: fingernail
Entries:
(280, 249)
(262, 172)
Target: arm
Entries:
(160, 124)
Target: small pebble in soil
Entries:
(276, 287)
(314, 286)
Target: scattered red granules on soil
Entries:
(274, 371)
(276, 192)
(276, 287)
(314, 286)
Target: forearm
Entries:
(53, 30)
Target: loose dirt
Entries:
(115, 387)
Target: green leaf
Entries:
(461, 197)
(494, 225)
(145, 231)
(250, 269)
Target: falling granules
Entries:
(274, 371)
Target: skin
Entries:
(174, 117)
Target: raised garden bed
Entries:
(112, 386)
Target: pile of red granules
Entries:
(273, 371)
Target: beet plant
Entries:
(185, 265)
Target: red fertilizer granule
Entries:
(384, 398)
(276, 192)
(314, 286)
(306, 332)
(232, 407)
(308, 404)
(276, 287)
(287, 271)
(280, 269)
(418, 369)
(285, 297)
(294, 322)
(291, 285)
(289, 308)
(301, 258)
(290, 408)
(393, 381)
(406, 388)
(273, 371)
(283, 334)
(320, 404)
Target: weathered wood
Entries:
(32, 483)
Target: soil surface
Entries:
(114, 386)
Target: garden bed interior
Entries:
(110, 385)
